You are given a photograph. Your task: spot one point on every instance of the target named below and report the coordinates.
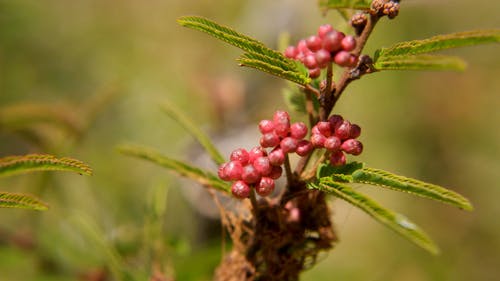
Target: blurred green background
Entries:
(77, 78)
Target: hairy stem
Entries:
(346, 77)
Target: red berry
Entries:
(222, 173)
(343, 130)
(302, 47)
(324, 128)
(323, 57)
(262, 165)
(332, 143)
(314, 73)
(304, 147)
(233, 170)
(335, 120)
(281, 121)
(342, 58)
(269, 140)
(288, 144)
(276, 172)
(332, 41)
(298, 130)
(315, 130)
(318, 140)
(265, 186)
(240, 189)
(310, 61)
(324, 29)
(240, 155)
(276, 157)
(352, 146)
(291, 52)
(314, 43)
(255, 153)
(250, 175)
(355, 131)
(348, 43)
(353, 61)
(337, 158)
(266, 126)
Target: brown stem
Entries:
(346, 77)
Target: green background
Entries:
(436, 126)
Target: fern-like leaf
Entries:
(440, 42)
(399, 183)
(204, 178)
(22, 201)
(262, 63)
(420, 62)
(11, 165)
(397, 222)
(345, 4)
(258, 55)
(194, 130)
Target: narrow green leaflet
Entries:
(394, 221)
(204, 178)
(194, 130)
(339, 4)
(399, 183)
(326, 170)
(23, 115)
(439, 42)
(420, 62)
(11, 165)
(252, 60)
(21, 201)
(257, 55)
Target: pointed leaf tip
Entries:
(21, 201)
(397, 222)
(11, 165)
(392, 181)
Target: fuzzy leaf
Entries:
(11, 165)
(339, 4)
(399, 183)
(394, 221)
(22, 201)
(440, 42)
(259, 62)
(420, 62)
(204, 178)
(257, 55)
(19, 116)
(325, 170)
(194, 130)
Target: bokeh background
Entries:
(77, 78)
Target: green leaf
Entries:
(194, 130)
(399, 183)
(339, 4)
(257, 55)
(204, 178)
(262, 63)
(24, 115)
(440, 42)
(326, 170)
(397, 222)
(420, 62)
(22, 201)
(11, 165)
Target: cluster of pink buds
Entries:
(257, 168)
(317, 51)
(337, 136)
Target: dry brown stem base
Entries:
(274, 243)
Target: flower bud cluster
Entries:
(337, 136)
(258, 168)
(389, 8)
(317, 51)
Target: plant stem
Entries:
(288, 171)
(346, 77)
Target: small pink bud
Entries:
(337, 158)
(240, 155)
(240, 189)
(304, 147)
(352, 146)
(265, 186)
(298, 130)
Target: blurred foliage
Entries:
(72, 52)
